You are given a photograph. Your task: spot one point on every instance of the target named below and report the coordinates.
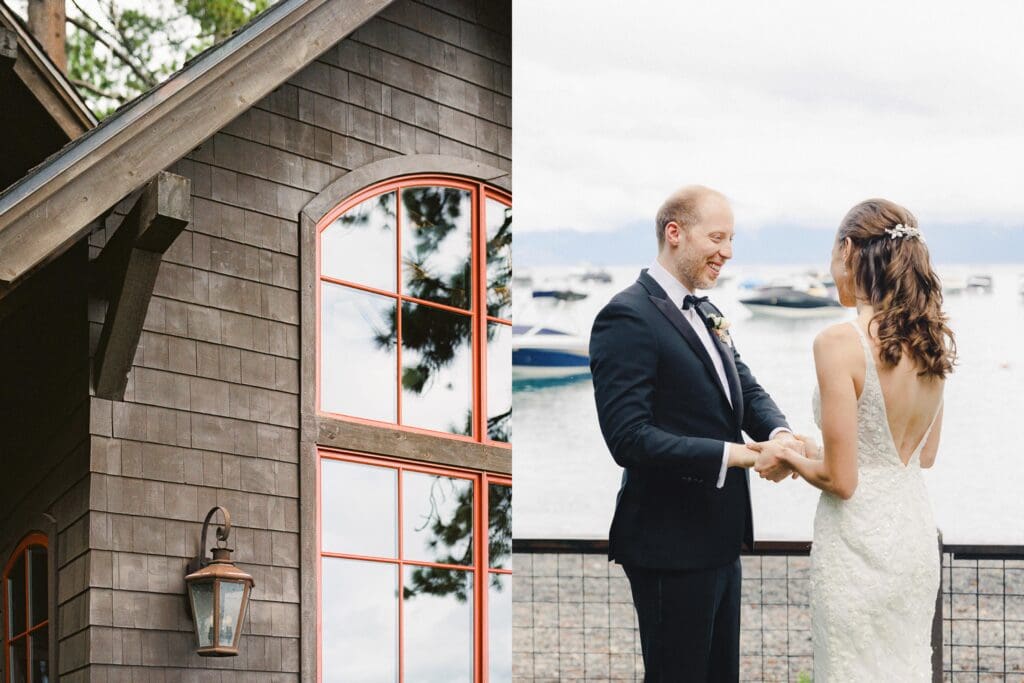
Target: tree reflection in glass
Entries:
(499, 515)
(436, 245)
(499, 259)
(359, 246)
(437, 518)
(499, 382)
(439, 527)
(438, 630)
(437, 369)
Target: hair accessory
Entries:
(900, 231)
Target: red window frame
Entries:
(480, 192)
(20, 554)
(481, 519)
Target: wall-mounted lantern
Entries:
(218, 594)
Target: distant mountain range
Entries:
(634, 244)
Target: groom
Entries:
(672, 398)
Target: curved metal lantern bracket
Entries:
(223, 532)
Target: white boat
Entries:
(979, 283)
(802, 297)
(545, 353)
(953, 283)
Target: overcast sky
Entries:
(795, 110)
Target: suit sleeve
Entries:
(760, 414)
(624, 364)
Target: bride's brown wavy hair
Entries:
(897, 279)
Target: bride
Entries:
(875, 560)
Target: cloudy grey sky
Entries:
(796, 110)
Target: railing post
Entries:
(937, 624)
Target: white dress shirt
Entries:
(676, 292)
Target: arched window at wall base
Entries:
(467, 456)
(25, 608)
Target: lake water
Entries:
(566, 481)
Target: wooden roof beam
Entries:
(126, 271)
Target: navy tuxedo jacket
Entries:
(665, 416)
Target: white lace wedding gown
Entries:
(875, 560)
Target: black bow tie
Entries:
(691, 301)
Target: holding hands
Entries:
(775, 457)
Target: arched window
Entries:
(26, 610)
(413, 308)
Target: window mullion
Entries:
(401, 578)
(398, 310)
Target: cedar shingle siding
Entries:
(211, 410)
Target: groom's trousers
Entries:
(689, 623)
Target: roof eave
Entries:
(50, 208)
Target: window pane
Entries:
(360, 621)
(499, 625)
(38, 586)
(437, 369)
(499, 518)
(436, 239)
(16, 597)
(437, 517)
(438, 625)
(18, 661)
(359, 508)
(357, 356)
(360, 245)
(40, 656)
(499, 382)
(499, 259)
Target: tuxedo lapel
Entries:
(733, 375)
(675, 316)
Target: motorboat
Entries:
(953, 283)
(790, 301)
(564, 294)
(540, 352)
(979, 283)
(599, 275)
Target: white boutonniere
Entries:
(720, 326)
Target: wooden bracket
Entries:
(125, 273)
(8, 44)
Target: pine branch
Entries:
(142, 76)
(99, 92)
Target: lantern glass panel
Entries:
(231, 615)
(202, 611)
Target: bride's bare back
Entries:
(911, 401)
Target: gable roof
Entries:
(48, 84)
(50, 208)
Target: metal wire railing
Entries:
(573, 616)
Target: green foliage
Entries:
(116, 53)
(803, 677)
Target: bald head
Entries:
(685, 206)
